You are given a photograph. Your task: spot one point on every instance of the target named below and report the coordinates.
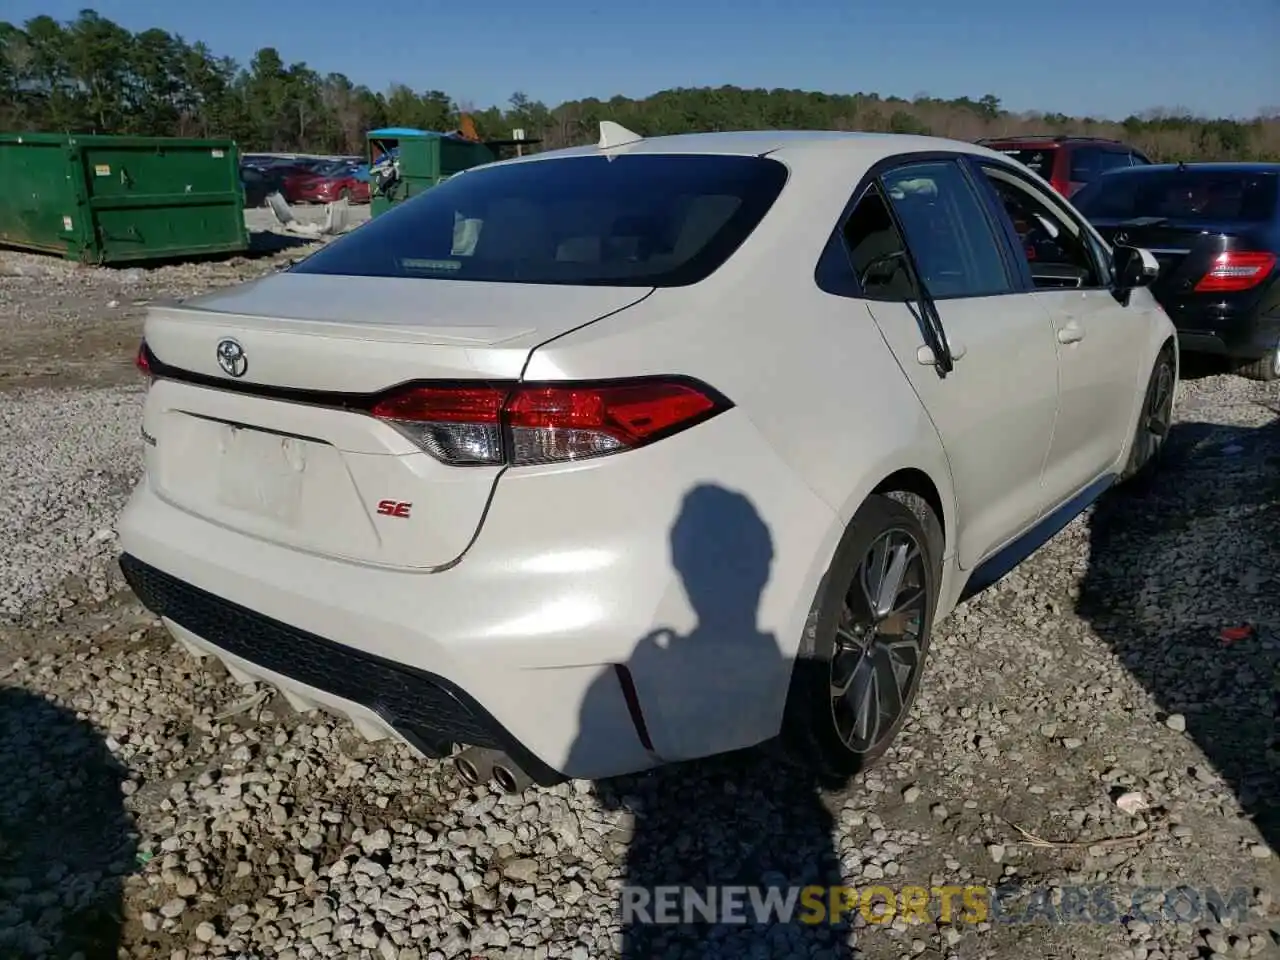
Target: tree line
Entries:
(90, 75)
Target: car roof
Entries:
(866, 147)
(1052, 140)
(1219, 166)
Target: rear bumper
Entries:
(381, 696)
(518, 646)
(1243, 335)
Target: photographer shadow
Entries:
(66, 840)
(1183, 584)
(745, 819)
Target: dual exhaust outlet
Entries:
(480, 765)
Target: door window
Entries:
(1056, 247)
(950, 236)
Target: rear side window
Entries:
(639, 220)
(1039, 162)
(1195, 195)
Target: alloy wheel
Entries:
(1160, 410)
(878, 647)
(1156, 420)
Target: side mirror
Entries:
(1134, 267)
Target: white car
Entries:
(595, 460)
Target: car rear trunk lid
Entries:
(1186, 250)
(286, 450)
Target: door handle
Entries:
(1070, 332)
(925, 356)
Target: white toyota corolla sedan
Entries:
(591, 461)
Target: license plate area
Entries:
(262, 473)
(292, 490)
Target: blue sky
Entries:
(1099, 57)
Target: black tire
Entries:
(814, 734)
(1265, 369)
(1154, 420)
(344, 194)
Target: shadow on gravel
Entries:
(66, 841)
(1188, 552)
(738, 820)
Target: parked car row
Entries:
(304, 179)
(1068, 163)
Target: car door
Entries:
(1099, 340)
(995, 409)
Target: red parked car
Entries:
(325, 184)
(1068, 163)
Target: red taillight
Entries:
(141, 361)
(549, 423)
(1234, 271)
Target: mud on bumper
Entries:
(427, 711)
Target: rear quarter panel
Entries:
(809, 370)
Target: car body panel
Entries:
(569, 609)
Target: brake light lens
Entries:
(544, 423)
(141, 360)
(457, 425)
(1234, 271)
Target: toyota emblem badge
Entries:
(231, 358)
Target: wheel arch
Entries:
(915, 481)
(930, 481)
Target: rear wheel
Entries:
(866, 639)
(1265, 368)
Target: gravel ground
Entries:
(155, 808)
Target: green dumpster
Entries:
(110, 200)
(404, 162)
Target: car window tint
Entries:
(1039, 162)
(1111, 159)
(1191, 194)
(1086, 164)
(629, 220)
(875, 249)
(1056, 247)
(950, 237)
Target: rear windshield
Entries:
(1039, 162)
(1217, 195)
(624, 221)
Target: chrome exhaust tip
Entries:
(510, 778)
(475, 765)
